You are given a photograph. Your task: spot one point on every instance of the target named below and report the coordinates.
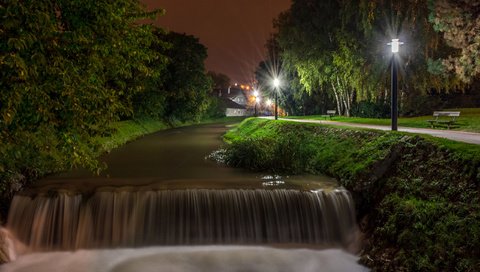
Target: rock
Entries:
(7, 246)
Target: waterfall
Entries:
(123, 217)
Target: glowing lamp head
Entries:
(395, 44)
(269, 102)
(258, 99)
(255, 93)
(276, 82)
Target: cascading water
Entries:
(126, 218)
(160, 191)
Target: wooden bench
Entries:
(330, 114)
(447, 118)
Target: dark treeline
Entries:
(70, 69)
(333, 54)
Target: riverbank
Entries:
(417, 197)
(33, 164)
(126, 131)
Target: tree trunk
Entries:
(337, 100)
(348, 98)
(344, 95)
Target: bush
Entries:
(418, 105)
(286, 154)
(214, 109)
(368, 109)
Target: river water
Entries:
(176, 159)
(182, 212)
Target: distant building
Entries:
(233, 100)
(232, 108)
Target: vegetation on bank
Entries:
(119, 133)
(126, 131)
(469, 120)
(69, 81)
(417, 198)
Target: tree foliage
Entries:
(220, 81)
(339, 47)
(309, 35)
(186, 83)
(459, 21)
(70, 68)
(182, 91)
(273, 67)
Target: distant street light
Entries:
(395, 44)
(257, 99)
(269, 105)
(276, 84)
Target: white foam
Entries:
(189, 259)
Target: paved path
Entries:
(460, 136)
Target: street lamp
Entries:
(269, 105)
(395, 44)
(255, 94)
(276, 84)
(257, 101)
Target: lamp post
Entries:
(276, 84)
(395, 44)
(255, 94)
(269, 105)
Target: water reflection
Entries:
(273, 183)
(177, 158)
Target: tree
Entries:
(186, 84)
(340, 47)
(459, 21)
(151, 102)
(67, 70)
(290, 95)
(308, 35)
(182, 91)
(220, 81)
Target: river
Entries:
(162, 206)
(176, 159)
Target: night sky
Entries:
(234, 31)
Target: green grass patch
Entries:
(125, 131)
(129, 130)
(469, 120)
(320, 149)
(417, 196)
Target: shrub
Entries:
(368, 109)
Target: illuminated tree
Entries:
(68, 68)
(340, 47)
(459, 21)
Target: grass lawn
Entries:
(469, 120)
